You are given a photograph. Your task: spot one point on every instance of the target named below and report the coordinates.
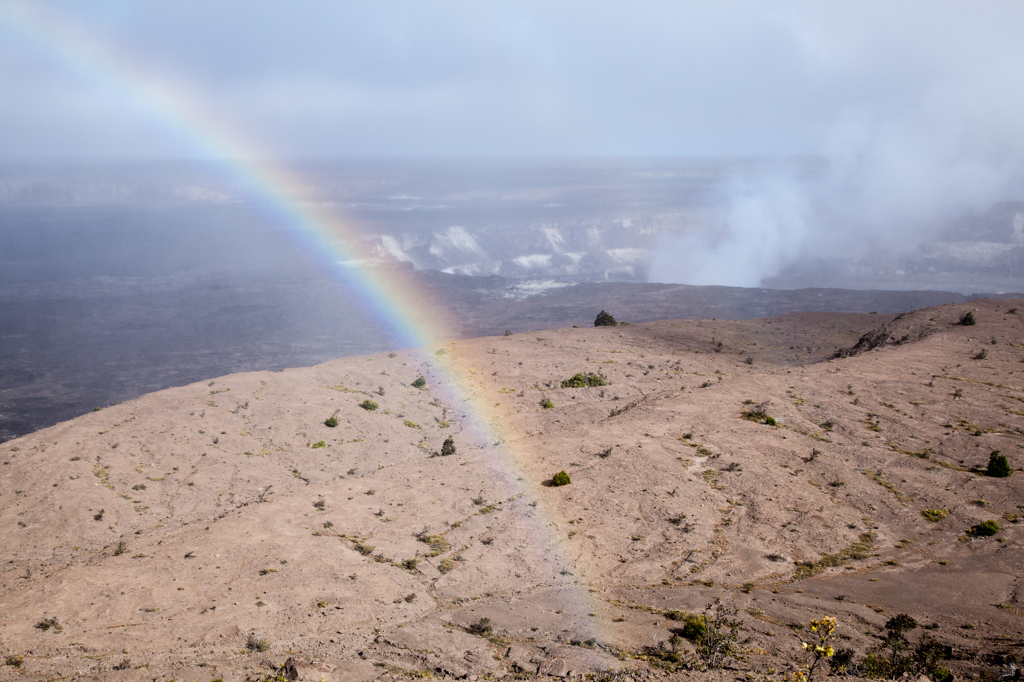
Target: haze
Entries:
(910, 113)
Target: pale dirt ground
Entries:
(675, 500)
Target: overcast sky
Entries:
(305, 78)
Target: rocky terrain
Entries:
(782, 464)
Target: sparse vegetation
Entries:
(331, 422)
(759, 414)
(48, 624)
(583, 381)
(419, 382)
(721, 638)
(448, 447)
(368, 405)
(320, 505)
(604, 319)
(547, 404)
(438, 543)
(446, 565)
(481, 628)
(998, 465)
(561, 478)
(967, 319)
(985, 529)
(256, 644)
(934, 515)
(855, 551)
(14, 661)
(319, 444)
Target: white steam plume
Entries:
(926, 143)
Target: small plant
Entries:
(411, 565)
(547, 404)
(368, 405)
(48, 624)
(121, 548)
(604, 319)
(985, 529)
(420, 382)
(998, 465)
(448, 447)
(319, 444)
(749, 360)
(820, 646)
(980, 355)
(721, 639)
(934, 515)
(583, 381)
(967, 319)
(481, 628)
(895, 642)
(759, 414)
(14, 661)
(98, 516)
(256, 644)
(125, 664)
(561, 478)
(331, 422)
(320, 505)
(438, 543)
(508, 332)
(446, 565)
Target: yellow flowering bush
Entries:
(823, 634)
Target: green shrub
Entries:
(985, 529)
(967, 319)
(448, 448)
(547, 404)
(331, 421)
(254, 643)
(319, 444)
(419, 383)
(694, 627)
(481, 628)
(721, 639)
(583, 381)
(446, 565)
(759, 414)
(368, 405)
(603, 319)
(998, 465)
(561, 478)
(934, 515)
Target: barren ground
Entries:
(165, 533)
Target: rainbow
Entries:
(390, 297)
